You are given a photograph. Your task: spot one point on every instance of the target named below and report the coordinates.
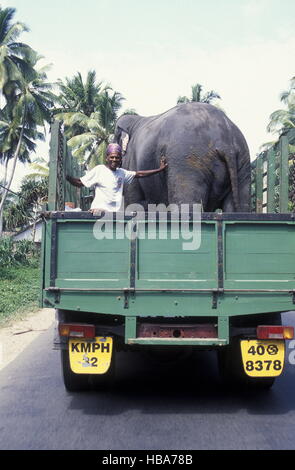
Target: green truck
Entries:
(125, 282)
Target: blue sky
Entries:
(153, 51)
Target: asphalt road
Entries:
(185, 408)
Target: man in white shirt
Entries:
(109, 180)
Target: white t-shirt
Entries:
(108, 186)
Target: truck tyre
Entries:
(85, 382)
(232, 371)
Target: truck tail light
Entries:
(275, 332)
(76, 330)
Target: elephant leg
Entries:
(189, 188)
(134, 195)
(228, 203)
(245, 195)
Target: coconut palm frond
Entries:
(198, 96)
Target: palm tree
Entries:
(89, 113)
(40, 170)
(90, 144)
(284, 119)
(10, 130)
(22, 210)
(15, 57)
(108, 107)
(198, 96)
(30, 107)
(77, 97)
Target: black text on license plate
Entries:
(263, 358)
(91, 357)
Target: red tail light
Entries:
(275, 332)
(76, 330)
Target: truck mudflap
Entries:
(263, 358)
(91, 356)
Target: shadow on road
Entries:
(189, 386)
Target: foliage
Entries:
(15, 57)
(10, 132)
(283, 119)
(198, 96)
(77, 96)
(281, 122)
(39, 170)
(27, 93)
(22, 253)
(22, 211)
(19, 291)
(89, 112)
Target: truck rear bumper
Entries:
(164, 332)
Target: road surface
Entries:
(184, 408)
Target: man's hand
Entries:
(98, 212)
(74, 181)
(163, 163)
(145, 173)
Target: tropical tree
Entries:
(15, 57)
(75, 96)
(199, 96)
(109, 105)
(89, 146)
(39, 170)
(10, 131)
(89, 112)
(14, 62)
(23, 209)
(29, 106)
(11, 199)
(284, 119)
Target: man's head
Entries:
(113, 156)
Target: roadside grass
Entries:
(19, 292)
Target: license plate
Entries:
(91, 357)
(263, 358)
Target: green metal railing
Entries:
(273, 178)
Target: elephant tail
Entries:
(231, 164)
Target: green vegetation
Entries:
(198, 96)
(282, 120)
(26, 96)
(19, 279)
(14, 254)
(19, 292)
(22, 210)
(87, 108)
(89, 112)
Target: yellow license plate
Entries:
(91, 357)
(263, 358)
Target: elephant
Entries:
(207, 155)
